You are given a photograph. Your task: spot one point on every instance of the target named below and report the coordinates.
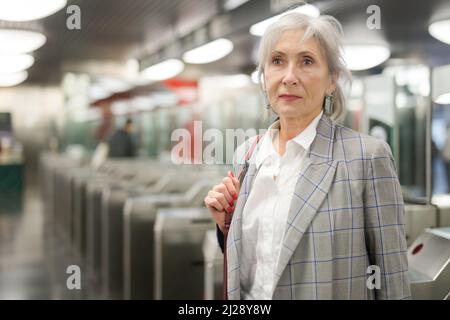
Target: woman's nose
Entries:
(290, 78)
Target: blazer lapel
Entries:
(315, 179)
(236, 224)
(235, 234)
(247, 183)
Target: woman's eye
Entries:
(307, 61)
(276, 60)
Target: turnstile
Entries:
(80, 204)
(113, 201)
(140, 214)
(96, 203)
(179, 265)
(417, 219)
(94, 191)
(87, 206)
(65, 202)
(443, 203)
(213, 276)
(429, 265)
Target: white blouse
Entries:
(265, 212)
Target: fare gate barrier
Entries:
(417, 219)
(113, 202)
(140, 216)
(179, 235)
(429, 265)
(213, 257)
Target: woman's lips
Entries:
(288, 97)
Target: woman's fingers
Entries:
(216, 209)
(213, 204)
(221, 199)
(222, 188)
(228, 182)
(235, 182)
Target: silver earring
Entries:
(266, 101)
(327, 107)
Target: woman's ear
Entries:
(263, 82)
(333, 84)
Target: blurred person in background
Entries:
(121, 144)
(320, 209)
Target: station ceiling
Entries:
(117, 30)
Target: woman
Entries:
(320, 213)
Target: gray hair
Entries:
(328, 32)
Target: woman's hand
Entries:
(221, 199)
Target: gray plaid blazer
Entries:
(346, 214)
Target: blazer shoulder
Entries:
(357, 144)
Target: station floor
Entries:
(33, 256)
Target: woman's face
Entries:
(296, 76)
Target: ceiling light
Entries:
(141, 80)
(114, 85)
(440, 30)
(15, 63)
(164, 70)
(209, 52)
(20, 41)
(441, 85)
(259, 28)
(12, 79)
(233, 4)
(27, 10)
(362, 57)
